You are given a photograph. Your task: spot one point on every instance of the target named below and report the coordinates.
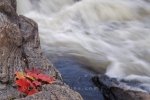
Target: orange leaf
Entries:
(30, 81)
(33, 91)
(36, 83)
(23, 85)
(46, 78)
(29, 77)
(34, 75)
(19, 75)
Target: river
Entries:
(102, 36)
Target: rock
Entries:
(32, 54)
(20, 49)
(113, 89)
(55, 92)
(2, 86)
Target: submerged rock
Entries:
(113, 89)
(20, 49)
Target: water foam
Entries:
(112, 35)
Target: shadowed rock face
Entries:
(20, 49)
(118, 90)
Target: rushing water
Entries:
(77, 77)
(110, 36)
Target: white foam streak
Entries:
(111, 34)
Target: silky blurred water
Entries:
(78, 78)
(108, 36)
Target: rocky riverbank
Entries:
(20, 49)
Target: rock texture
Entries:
(119, 90)
(20, 49)
(56, 92)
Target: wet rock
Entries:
(20, 49)
(113, 89)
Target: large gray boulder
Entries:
(20, 49)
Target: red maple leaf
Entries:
(24, 86)
(36, 83)
(34, 75)
(30, 81)
(33, 91)
(46, 78)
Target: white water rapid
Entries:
(111, 34)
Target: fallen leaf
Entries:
(33, 91)
(36, 83)
(31, 81)
(19, 75)
(46, 78)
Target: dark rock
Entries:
(20, 49)
(113, 89)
